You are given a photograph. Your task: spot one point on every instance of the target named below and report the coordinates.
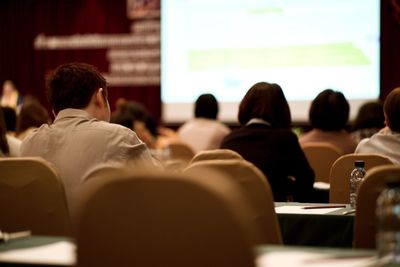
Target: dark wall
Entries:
(22, 20)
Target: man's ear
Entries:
(99, 98)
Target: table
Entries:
(265, 255)
(333, 229)
(278, 256)
(38, 251)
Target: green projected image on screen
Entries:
(343, 54)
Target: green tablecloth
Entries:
(322, 230)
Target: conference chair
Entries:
(321, 156)
(255, 188)
(162, 219)
(179, 150)
(212, 154)
(32, 197)
(365, 220)
(178, 156)
(340, 174)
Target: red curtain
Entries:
(22, 20)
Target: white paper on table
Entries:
(301, 258)
(322, 185)
(289, 209)
(58, 253)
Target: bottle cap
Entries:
(359, 163)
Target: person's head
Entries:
(78, 86)
(329, 111)
(32, 114)
(206, 106)
(370, 115)
(391, 109)
(265, 101)
(8, 88)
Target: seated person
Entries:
(369, 120)
(31, 116)
(10, 96)
(328, 114)
(204, 131)
(266, 140)
(81, 136)
(135, 116)
(387, 141)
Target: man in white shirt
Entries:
(81, 136)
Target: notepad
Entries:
(290, 209)
(58, 253)
(301, 258)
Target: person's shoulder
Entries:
(113, 128)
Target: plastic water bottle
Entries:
(388, 224)
(355, 179)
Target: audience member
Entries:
(204, 131)
(266, 140)
(329, 113)
(369, 120)
(135, 116)
(31, 116)
(81, 136)
(10, 96)
(387, 141)
(9, 145)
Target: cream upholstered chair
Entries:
(340, 174)
(211, 154)
(321, 156)
(178, 156)
(179, 150)
(257, 191)
(162, 219)
(32, 197)
(365, 220)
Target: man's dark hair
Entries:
(329, 111)
(265, 101)
(391, 108)
(206, 106)
(72, 85)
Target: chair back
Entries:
(365, 220)
(181, 151)
(340, 174)
(32, 197)
(212, 154)
(161, 220)
(321, 156)
(257, 191)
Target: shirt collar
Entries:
(258, 121)
(71, 112)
